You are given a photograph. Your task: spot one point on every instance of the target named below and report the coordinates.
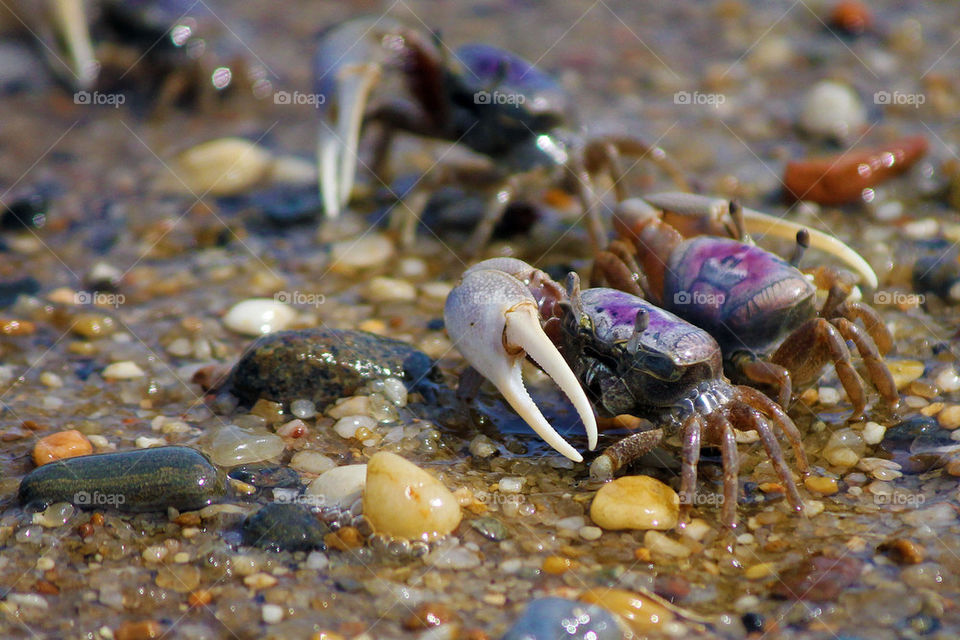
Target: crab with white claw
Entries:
(631, 357)
(404, 79)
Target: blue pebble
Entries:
(562, 619)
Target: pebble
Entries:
(844, 448)
(659, 543)
(643, 615)
(93, 325)
(368, 251)
(453, 556)
(56, 515)
(403, 500)
(125, 370)
(490, 528)
(220, 167)
(818, 578)
(339, 487)
(635, 502)
(266, 476)
(259, 316)
(139, 480)
(905, 371)
(272, 613)
(832, 110)
(311, 462)
(938, 516)
(395, 391)
(828, 396)
(949, 417)
(482, 447)
(180, 578)
(381, 289)
(232, 445)
(141, 630)
(60, 445)
(821, 485)
(284, 527)
(323, 365)
(873, 433)
(303, 409)
(903, 551)
(590, 533)
(347, 427)
(510, 484)
(352, 406)
(552, 618)
(947, 380)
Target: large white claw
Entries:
(494, 322)
(764, 224)
(338, 141)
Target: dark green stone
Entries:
(283, 526)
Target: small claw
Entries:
(337, 147)
(716, 209)
(494, 322)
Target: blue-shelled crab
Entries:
(404, 79)
(626, 356)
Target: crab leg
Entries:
(718, 209)
(494, 322)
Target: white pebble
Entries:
(412, 268)
(145, 442)
(50, 379)
(123, 371)
(317, 561)
(573, 523)
(482, 447)
(921, 229)
(311, 462)
(339, 487)
(303, 409)
(511, 484)
(832, 110)
(365, 252)
(436, 290)
(873, 432)
(590, 532)
(353, 406)
(948, 380)
(381, 289)
(395, 391)
(272, 613)
(828, 396)
(660, 543)
(259, 316)
(347, 427)
(181, 348)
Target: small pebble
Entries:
(303, 409)
(657, 542)
(556, 565)
(949, 417)
(510, 484)
(903, 551)
(645, 616)
(233, 445)
(142, 630)
(821, 485)
(635, 502)
(590, 533)
(828, 396)
(381, 289)
(832, 110)
(403, 500)
(873, 433)
(284, 527)
(947, 380)
(352, 406)
(905, 371)
(219, 167)
(368, 251)
(339, 487)
(125, 370)
(60, 445)
(759, 571)
(311, 462)
(272, 613)
(552, 618)
(259, 316)
(347, 427)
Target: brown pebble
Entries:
(85, 530)
(143, 630)
(851, 17)
(97, 519)
(60, 445)
(903, 551)
(643, 554)
(821, 485)
(344, 539)
(46, 588)
(188, 519)
(819, 578)
(429, 614)
(200, 598)
(672, 587)
(475, 634)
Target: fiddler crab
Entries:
(618, 353)
(381, 71)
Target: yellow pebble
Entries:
(759, 571)
(643, 614)
(821, 485)
(555, 565)
(949, 417)
(904, 371)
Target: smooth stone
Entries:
(232, 445)
(403, 500)
(635, 502)
(311, 462)
(382, 289)
(556, 618)
(259, 316)
(284, 527)
(266, 476)
(220, 167)
(125, 370)
(832, 110)
(491, 528)
(370, 250)
(644, 615)
(322, 365)
(140, 480)
(339, 487)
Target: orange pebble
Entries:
(60, 445)
(851, 16)
(556, 565)
(145, 630)
(200, 598)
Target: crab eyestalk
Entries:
(494, 321)
(70, 44)
(717, 210)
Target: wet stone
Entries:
(552, 618)
(142, 480)
(819, 578)
(284, 527)
(266, 476)
(322, 365)
(490, 528)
